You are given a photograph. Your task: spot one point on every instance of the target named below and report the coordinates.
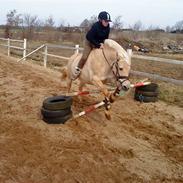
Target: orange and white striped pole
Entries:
(95, 106)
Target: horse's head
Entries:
(122, 64)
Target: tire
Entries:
(150, 88)
(57, 103)
(142, 98)
(55, 114)
(59, 120)
(147, 93)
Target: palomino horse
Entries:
(112, 63)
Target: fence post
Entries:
(130, 53)
(45, 55)
(77, 48)
(24, 48)
(8, 44)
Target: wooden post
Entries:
(45, 55)
(77, 48)
(8, 44)
(24, 48)
(130, 53)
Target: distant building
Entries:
(177, 31)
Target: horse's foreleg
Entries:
(106, 93)
(81, 84)
(102, 87)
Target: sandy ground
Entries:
(142, 142)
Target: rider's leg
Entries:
(86, 52)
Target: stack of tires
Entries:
(57, 110)
(147, 93)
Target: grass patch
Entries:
(171, 94)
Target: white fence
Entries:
(77, 48)
(46, 54)
(8, 44)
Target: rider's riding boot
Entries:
(76, 73)
(78, 69)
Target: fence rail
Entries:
(65, 47)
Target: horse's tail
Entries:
(63, 72)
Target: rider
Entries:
(94, 39)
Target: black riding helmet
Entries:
(104, 16)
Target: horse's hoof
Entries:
(108, 115)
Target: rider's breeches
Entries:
(87, 48)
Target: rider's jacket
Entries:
(97, 34)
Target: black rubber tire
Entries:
(147, 93)
(55, 114)
(151, 87)
(57, 102)
(143, 98)
(59, 120)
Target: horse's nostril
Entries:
(120, 69)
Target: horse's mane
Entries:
(121, 52)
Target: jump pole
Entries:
(95, 106)
(73, 94)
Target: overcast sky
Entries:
(150, 12)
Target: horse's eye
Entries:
(120, 68)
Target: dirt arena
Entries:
(142, 143)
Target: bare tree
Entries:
(87, 23)
(153, 27)
(117, 23)
(168, 29)
(29, 24)
(137, 26)
(12, 20)
(49, 23)
(178, 25)
(61, 24)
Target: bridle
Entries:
(115, 65)
(119, 80)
